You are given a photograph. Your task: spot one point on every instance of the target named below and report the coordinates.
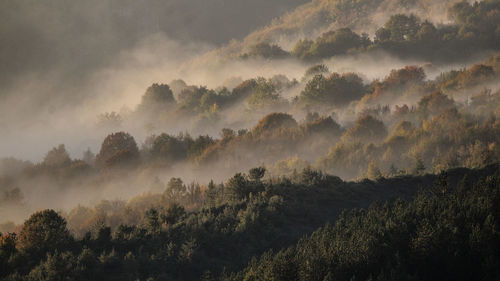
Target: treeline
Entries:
(180, 107)
(387, 135)
(475, 29)
(248, 216)
(316, 17)
(448, 233)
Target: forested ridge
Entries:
(427, 29)
(446, 233)
(345, 140)
(437, 222)
(473, 28)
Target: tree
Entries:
(175, 188)
(318, 69)
(57, 266)
(169, 148)
(122, 158)
(274, 121)
(256, 174)
(382, 35)
(338, 90)
(366, 129)
(227, 133)
(193, 192)
(198, 146)
(43, 231)
(435, 103)
(324, 126)
(265, 96)
(157, 96)
(302, 49)
(57, 157)
(173, 213)
(428, 33)
(153, 221)
(237, 187)
(190, 97)
(244, 89)
(211, 193)
(121, 145)
(440, 186)
(335, 43)
(315, 89)
(267, 51)
(408, 75)
(402, 27)
(460, 11)
(7, 250)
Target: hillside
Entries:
(313, 18)
(444, 233)
(346, 140)
(247, 216)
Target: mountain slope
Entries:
(311, 19)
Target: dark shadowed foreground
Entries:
(445, 227)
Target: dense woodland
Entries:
(473, 28)
(323, 176)
(449, 226)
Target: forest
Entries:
(328, 140)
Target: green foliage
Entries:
(318, 69)
(7, 252)
(265, 96)
(158, 93)
(43, 231)
(192, 231)
(116, 149)
(173, 213)
(153, 224)
(400, 28)
(323, 125)
(157, 98)
(366, 129)
(237, 187)
(274, 121)
(267, 51)
(256, 174)
(452, 235)
(57, 266)
(175, 188)
(190, 97)
(170, 148)
(275, 214)
(335, 90)
(331, 43)
(302, 48)
(474, 29)
(434, 104)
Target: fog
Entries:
(32, 125)
(65, 64)
(61, 58)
